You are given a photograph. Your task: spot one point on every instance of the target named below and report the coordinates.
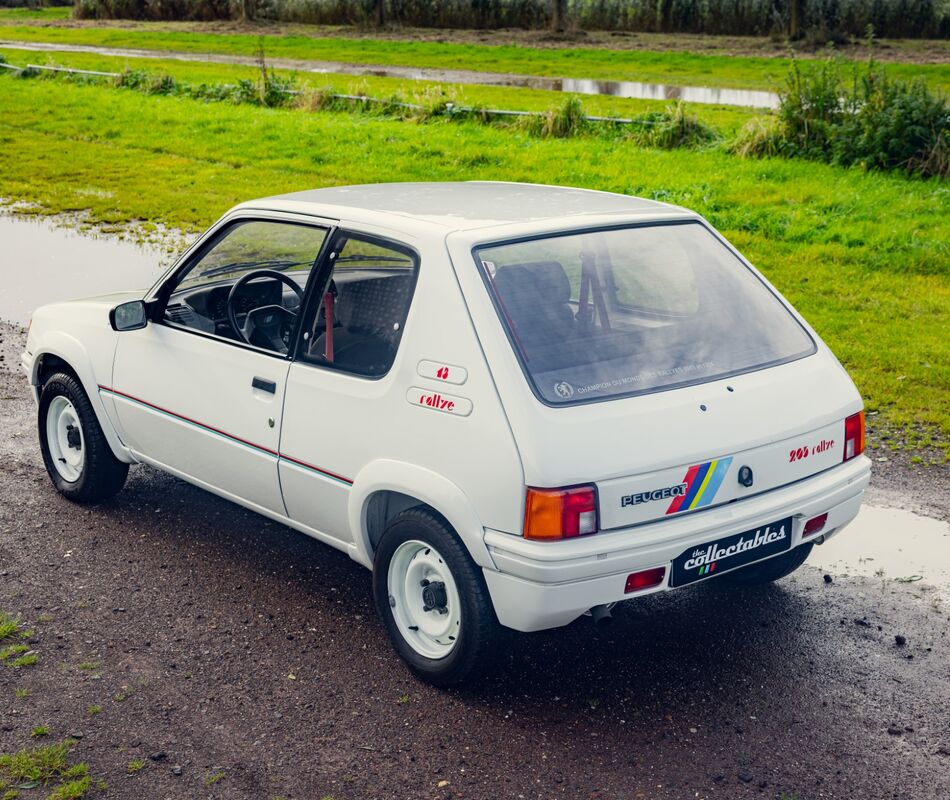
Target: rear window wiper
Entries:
(242, 265)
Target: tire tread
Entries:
(103, 475)
(481, 633)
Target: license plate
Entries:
(729, 552)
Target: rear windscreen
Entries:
(625, 311)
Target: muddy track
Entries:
(218, 643)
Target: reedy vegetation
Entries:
(821, 20)
(866, 118)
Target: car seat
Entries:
(536, 299)
(369, 317)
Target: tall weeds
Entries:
(865, 118)
(822, 20)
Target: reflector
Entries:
(814, 525)
(645, 579)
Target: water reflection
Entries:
(892, 544)
(42, 263)
(633, 89)
(662, 91)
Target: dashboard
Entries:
(205, 308)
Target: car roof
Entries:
(460, 206)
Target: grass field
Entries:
(864, 256)
(661, 67)
(725, 119)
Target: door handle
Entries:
(264, 385)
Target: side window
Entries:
(357, 323)
(249, 285)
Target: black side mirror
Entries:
(129, 316)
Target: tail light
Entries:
(560, 513)
(853, 436)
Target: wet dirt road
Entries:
(218, 644)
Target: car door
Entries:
(338, 387)
(199, 391)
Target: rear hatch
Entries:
(663, 368)
(682, 451)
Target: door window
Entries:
(356, 324)
(249, 284)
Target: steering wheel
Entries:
(267, 323)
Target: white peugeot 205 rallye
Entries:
(516, 404)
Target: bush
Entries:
(870, 119)
(672, 128)
(559, 123)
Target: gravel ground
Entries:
(239, 659)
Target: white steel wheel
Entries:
(424, 599)
(64, 437)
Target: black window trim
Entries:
(324, 272)
(516, 349)
(160, 294)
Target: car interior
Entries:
(361, 319)
(355, 326)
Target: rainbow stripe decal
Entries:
(702, 482)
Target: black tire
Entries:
(772, 569)
(102, 475)
(479, 634)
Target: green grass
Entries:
(12, 650)
(741, 72)
(14, 654)
(40, 14)
(136, 765)
(863, 256)
(39, 731)
(8, 625)
(48, 767)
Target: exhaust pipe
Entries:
(601, 614)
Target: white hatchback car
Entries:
(516, 404)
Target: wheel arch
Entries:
(386, 488)
(58, 351)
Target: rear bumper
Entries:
(538, 585)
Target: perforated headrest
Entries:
(545, 278)
(374, 305)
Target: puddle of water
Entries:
(41, 263)
(662, 91)
(905, 546)
(632, 89)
